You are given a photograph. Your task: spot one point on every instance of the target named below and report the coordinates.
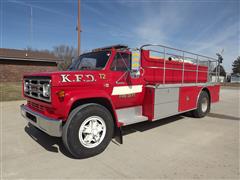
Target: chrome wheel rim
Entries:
(92, 131)
(204, 104)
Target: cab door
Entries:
(127, 91)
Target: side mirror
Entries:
(73, 62)
(135, 63)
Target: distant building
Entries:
(219, 79)
(235, 78)
(14, 63)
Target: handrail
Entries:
(175, 69)
(172, 54)
(198, 61)
(176, 50)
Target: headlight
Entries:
(46, 90)
(26, 87)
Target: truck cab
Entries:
(112, 87)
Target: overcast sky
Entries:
(204, 27)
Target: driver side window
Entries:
(87, 63)
(121, 62)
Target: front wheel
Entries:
(88, 130)
(203, 105)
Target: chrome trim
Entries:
(145, 45)
(166, 102)
(92, 131)
(183, 69)
(130, 115)
(182, 58)
(180, 85)
(177, 69)
(179, 112)
(38, 88)
(52, 127)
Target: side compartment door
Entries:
(165, 102)
(188, 97)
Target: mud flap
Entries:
(118, 135)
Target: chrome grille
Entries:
(33, 87)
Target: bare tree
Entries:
(65, 53)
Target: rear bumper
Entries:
(52, 127)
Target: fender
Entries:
(213, 92)
(199, 92)
(75, 95)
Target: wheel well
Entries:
(102, 101)
(208, 92)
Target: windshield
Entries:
(91, 61)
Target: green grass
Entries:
(10, 91)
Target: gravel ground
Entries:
(175, 147)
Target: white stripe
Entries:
(121, 90)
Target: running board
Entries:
(130, 115)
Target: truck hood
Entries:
(72, 78)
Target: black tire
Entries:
(71, 129)
(203, 105)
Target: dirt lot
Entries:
(176, 147)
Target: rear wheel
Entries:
(203, 105)
(88, 130)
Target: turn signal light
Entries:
(61, 94)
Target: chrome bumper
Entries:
(52, 127)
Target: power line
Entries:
(40, 8)
(33, 7)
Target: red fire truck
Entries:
(111, 87)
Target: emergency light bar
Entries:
(117, 46)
